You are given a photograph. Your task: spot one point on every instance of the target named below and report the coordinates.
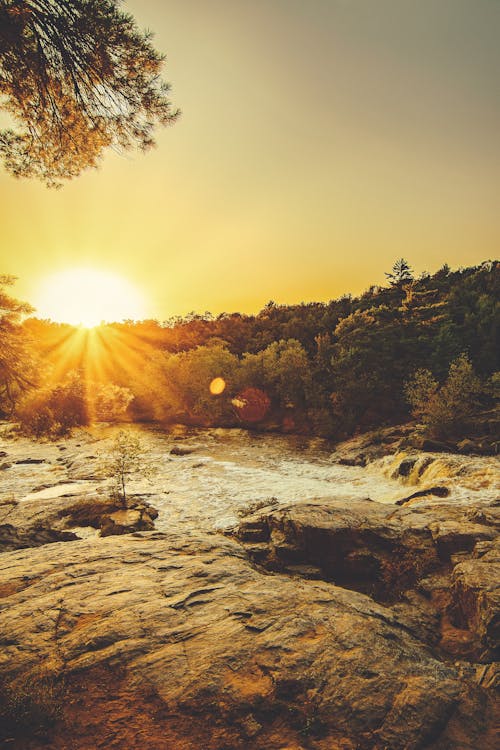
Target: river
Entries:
(225, 472)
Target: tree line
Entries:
(423, 347)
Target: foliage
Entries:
(31, 704)
(16, 358)
(76, 76)
(444, 410)
(329, 368)
(126, 456)
(400, 273)
(53, 410)
(109, 402)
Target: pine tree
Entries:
(401, 273)
(76, 77)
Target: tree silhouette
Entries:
(76, 77)
(401, 273)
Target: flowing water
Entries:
(224, 472)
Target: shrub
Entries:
(126, 456)
(52, 411)
(443, 410)
(31, 704)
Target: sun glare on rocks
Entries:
(87, 297)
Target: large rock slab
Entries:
(436, 565)
(171, 641)
(476, 597)
(371, 547)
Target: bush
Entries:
(31, 704)
(127, 455)
(52, 411)
(111, 402)
(444, 410)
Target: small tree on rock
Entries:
(127, 456)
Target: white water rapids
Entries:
(229, 470)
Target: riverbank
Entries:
(319, 620)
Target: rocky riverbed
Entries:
(257, 592)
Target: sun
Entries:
(87, 297)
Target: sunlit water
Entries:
(228, 471)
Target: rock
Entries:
(476, 601)
(452, 536)
(126, 522)
(5, 465)
(405, 467)
(355, 461)
(372, 445)
(182, 450)
(466, 446)
(31, 461)
(394, 555)
(12, 538)
(436, 491)
(365, 546)
(176, 642)
(88, 511)
(437, 446)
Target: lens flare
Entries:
(252, 404)
(217, 386)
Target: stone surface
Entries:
(476, 598)
(12, 538)
(175, 641)
(126, 522)
(334, 624)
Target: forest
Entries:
(421, 348)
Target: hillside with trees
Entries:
(423, 348)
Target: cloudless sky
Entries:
(320, 140)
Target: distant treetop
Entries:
(401, 273)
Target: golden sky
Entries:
(319, 141)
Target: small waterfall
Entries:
(461, 474)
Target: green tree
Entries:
(444, 410)
(283, 370)
(126, 457)
(76, 77)
(400, 274)
(16, 361)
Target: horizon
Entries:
(316, 145)
(172, 320)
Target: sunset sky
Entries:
(320, 140)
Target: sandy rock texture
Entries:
(331, 624)
(178, 641)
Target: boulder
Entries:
(126, 522)
(436, 491)
(397, 556)
(177, 642)
(476, 599)
(182, 450)
(366, 546)
(12, 538)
